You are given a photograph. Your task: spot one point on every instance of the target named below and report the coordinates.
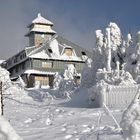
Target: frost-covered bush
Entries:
(87, 77)
(130, 123)
(4, 78)
(57, 80)
(20, 82)
(112, 62)
(69, 72)
(65, 82)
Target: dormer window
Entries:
(83, 53)
(68, 51)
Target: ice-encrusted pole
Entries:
(1, 100)
(108, 67)
(108, 111)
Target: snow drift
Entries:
(6, 131)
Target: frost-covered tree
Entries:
(110, 46)
(110, 59)
(57, 80)
(69, 72)
(4, 78)
(132, 59)
(87, 77)
(65, 82)
(5, 83)
(130, 123)
(8, 87)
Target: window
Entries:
(47, 64)
(83, 53)
(15, 60)
(134, 62)
(68, 51)
(16, 69)
(50, 50)
(23, 66)
(42, 80)
(21, 57)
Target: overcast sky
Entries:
(76, 20)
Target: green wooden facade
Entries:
(33, 69)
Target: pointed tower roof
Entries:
(41, 20)
(45, 28)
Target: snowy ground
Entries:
(37, 118)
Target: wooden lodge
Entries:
(46, 54)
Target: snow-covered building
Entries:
(46, 54)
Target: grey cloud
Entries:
(16, 14)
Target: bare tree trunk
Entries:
(1, 99)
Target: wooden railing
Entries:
(118, 95)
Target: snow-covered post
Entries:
(118, 69)
(99, 122)
(108, 67)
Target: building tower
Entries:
(40, 30)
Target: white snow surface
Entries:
(39, 116)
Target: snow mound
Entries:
(4, 78)
(79, 99)
(6, 131)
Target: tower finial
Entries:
(39, 15)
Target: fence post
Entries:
(1, 99)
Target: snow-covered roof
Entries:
(41, 20)
(49, 30)
(41, 55)
(57, 43)
(1, 61)
(32, 71)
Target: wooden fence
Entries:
(117, 95)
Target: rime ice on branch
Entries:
(111, 69)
